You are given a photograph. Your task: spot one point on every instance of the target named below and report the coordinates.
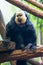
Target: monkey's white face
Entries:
(20, 18)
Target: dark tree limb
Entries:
(19, 54)
(5, 56)
(35, 3)
(26, 8)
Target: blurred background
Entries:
(8, 10)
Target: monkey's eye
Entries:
(19, 15)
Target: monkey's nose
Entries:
(19, 19)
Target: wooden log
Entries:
(26, 8)
(19, 54)
(39, 5)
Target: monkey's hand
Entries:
(31, 47)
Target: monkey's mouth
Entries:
(19, 20)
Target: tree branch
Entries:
(19, 54)
(2, 32)
(35, 3)
(34, 62)
(2, 25)
(26, 8)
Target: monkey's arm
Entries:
(32, 38)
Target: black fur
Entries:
(24, 37)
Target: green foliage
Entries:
(6, 63)
(41, 1)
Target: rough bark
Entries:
(26, 8)
(39, 5)
(19, 54)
